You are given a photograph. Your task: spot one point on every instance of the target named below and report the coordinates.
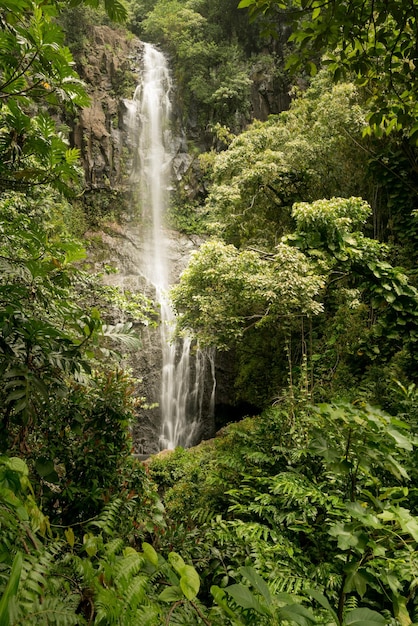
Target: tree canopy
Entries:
(373, 41)
(305, 153)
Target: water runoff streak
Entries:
(183, 373)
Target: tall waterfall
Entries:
(183, 366)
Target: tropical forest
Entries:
(208, 312)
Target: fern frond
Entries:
(51, 610)
(109, 518)
(114, 546)
(351, 603)
(134, 595)
(253, 531)
(185, 615)
(35, 570)
(203, 516)
(259, 458)
(127, 567)
(288, 583)
(296, 487)
(108, 607)
(123, 333)
(80, 568)
(44, 596)
(150, 615)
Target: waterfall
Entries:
(183, 365)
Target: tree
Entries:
(306, 153)
(298, 303)
(224, 292)
(210, 67)
(374, 41)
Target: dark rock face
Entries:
(109, 67)
(269, 95)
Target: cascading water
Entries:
(183, 367)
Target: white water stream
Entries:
(183, 366)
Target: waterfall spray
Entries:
(183, 365)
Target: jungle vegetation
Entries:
(306, 513)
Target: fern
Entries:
(203, 515)
(185, 615)
(253, 531)
(150, 615)
(81, 569)
(351, 603)
(107, 607)
(109, 518)
(47, 611)
(135, 593)
(128, 567)
(114, 546)
(44, 596)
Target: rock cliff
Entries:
(109, 66)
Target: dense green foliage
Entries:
(322, 504)
(249, 289)
(373, 44)
(307, 513)
(306, 153)
(372, 40)
(309, 496)
(213, 50)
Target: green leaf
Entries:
(11, 589)
(244, 598)
(70, 537)
(393, 466)
(219, 596)
(44, 466)
(17, 465)
(408, 522)
(171, 594)
(322, 601)
(400, 610)
(90, 544)
(116, 10)
(402, 441)
(189, 582)
(356, 581)
(150, 554)
(176, 561)
(346, 539)
(364, 617)
(258, 583)
(298, 614)
(311, 68)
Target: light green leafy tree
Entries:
(225, 292)
(235, 298)
(305, 153)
